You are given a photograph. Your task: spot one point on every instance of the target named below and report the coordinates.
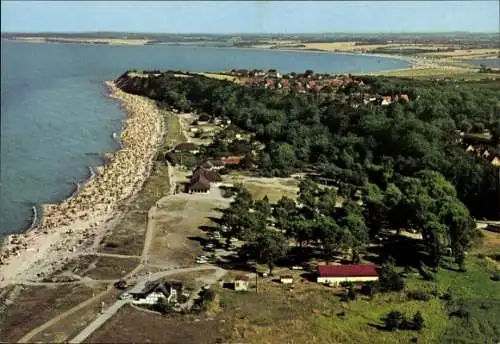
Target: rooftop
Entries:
(349, 270)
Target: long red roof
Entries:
(349, 270)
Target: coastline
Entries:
(68, 229)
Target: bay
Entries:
(54, 112)
(489, 63)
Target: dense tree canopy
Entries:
(404, 156)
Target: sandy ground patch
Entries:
(274, 188)
(178, 222)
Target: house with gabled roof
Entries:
(211, 175)
(199, 184)
(186, 147)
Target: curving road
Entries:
(139, 286)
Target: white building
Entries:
(150, 299)
(334, 275)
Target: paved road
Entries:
(106, 315)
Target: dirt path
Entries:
(113, 255)
(27, 337)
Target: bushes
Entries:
(461, 312)
(350, 294)
(369, 288)
(418, 295)
(396, 320)
(390, 280)
(426, 273)
(393, 320)
(448, 296)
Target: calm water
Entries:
(490, 63)
(54, 112)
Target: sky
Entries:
(250, 16)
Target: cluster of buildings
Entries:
(481, 147)
(301, 83)
(310, 82)
(331, 275)
(207, 174)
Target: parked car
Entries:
(125, 296)
(121, 284)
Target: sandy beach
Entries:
(75, 226)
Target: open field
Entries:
(65, 329)
(192, 280)
(465, 54)
(37, 304)
(308, 314)
(175, 134)
(218, 76)
(178, 223)
(456, 74)
(274, 188)
(99, 267)
(133, 326)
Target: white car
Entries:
(125, 296)
(201, 261)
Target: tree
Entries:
(263, 208)
(418, 321)
(268, 247)
(389, 279)
(328, 232)
(243, 200)
(308, 191)
(394, 320)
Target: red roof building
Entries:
(232, 160)
(336, 274)
(349, 270)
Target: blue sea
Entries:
(489, 63)
(55, 115)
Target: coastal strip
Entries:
(67, 229)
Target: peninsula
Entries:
(253, 205)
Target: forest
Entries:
(404, 157)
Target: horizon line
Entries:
(247, 33)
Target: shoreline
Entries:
(68, 229)
(417, 61)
